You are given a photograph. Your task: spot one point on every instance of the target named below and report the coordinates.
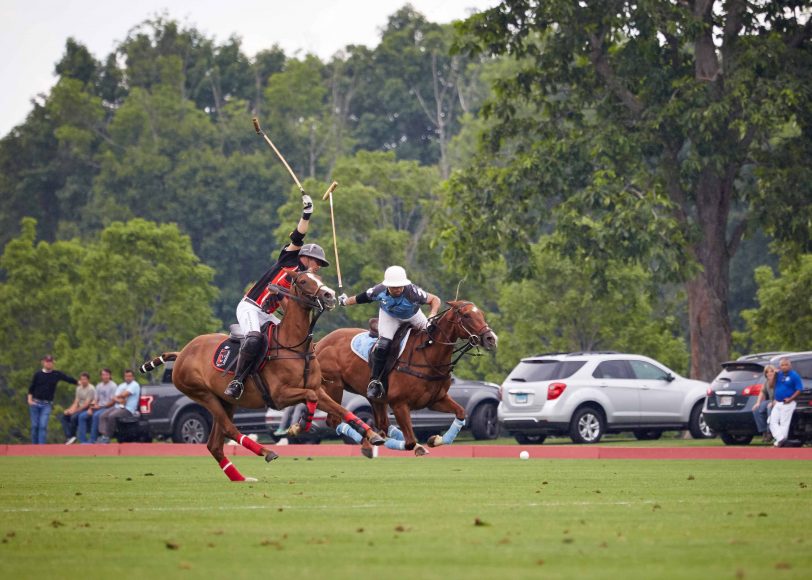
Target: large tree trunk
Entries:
(708, 290)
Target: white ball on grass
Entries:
(524, 455)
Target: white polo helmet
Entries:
(395, 276)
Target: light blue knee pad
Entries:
(453, 431)
(345, 429)
(395, 433)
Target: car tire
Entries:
(697, 426)
(484, 423)
(732, 439)
(587, 425)
(529, 439)
(191, 427)
(647, 434)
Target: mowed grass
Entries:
(404, 518)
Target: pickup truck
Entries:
(166, 413)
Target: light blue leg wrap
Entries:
(395, 433)
(345, 429)
(453, 431)
(396, 444)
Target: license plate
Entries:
(521, 398)
(725, 401)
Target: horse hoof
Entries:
(294, 430)
(420, 451)
(270, 456)
(247, 480)
(376, 439)
(367, 452)
(435, 441)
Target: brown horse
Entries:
(420, 378)
(291, 373)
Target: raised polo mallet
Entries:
(329, 194)
(278, 154)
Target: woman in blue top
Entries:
(400, 304)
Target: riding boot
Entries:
(250, 348)
(375, 389)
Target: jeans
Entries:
(94, 423)
(40, 412)
(83, 426)
(760, 414)
(69, 423)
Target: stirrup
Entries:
(235, 389)
(375, 389)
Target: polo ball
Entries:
(524, 455)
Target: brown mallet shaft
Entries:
(278, 154)
(329, 193)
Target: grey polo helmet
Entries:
(316, 252)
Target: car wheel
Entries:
(647, 434)
(529, 439)
(587, 425)
(731, 439)
(484, 424)
(191, 427)
(697, 426)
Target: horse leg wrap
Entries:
(356, 423)
(395, 433)
(231, 472)
(250, 444)
(396, 444)
(453, 431)
(345, 430)
(311, 410)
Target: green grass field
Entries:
(404, 518)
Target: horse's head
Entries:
(308, 286)
(469, 323)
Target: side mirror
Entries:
(669, 377)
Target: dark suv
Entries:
(166, 413)
(729, 404)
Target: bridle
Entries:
(458, 315)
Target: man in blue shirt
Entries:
(400, 304)
(126, 400)
(788, 384)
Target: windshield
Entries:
(544, 370)
(749, 374)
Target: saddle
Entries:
(363, 344)
(225, 355)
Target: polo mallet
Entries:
(278, 154)
(329, 194)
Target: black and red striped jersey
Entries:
(288, 261)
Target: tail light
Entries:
(709, 392)
(554, 390)
(752, 391)
(145, 404)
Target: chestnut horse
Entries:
(291, 373)
(420, 378)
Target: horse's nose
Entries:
(329, 299)
(489, 340)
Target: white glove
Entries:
(307, 203)
(342, 300)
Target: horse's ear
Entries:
(453, 303)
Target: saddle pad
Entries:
(225, 355)
(362, 343)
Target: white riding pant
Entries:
(388, 325)
(251, 317)
(780, 418)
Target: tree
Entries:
(783, 319)
(639, 122)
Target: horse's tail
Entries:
(158, 361)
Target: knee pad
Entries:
(383, 344)
(253, 342)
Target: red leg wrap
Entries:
(311, 410)
(250, 444)
(353, 421)
(231, 471)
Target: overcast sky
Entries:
(33, 32)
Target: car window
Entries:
(544, 370)
(644, 370)
(613, 369)
(803, 367)
(744, 373)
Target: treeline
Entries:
(492, 152)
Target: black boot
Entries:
(375, 388)
(250, 348)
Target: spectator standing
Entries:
(788, 384)
(41, 397)
(103, 401)
(85, 394)
(764, 403)
(125, 405)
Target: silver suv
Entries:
(588, 394)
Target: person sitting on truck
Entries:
(764, 403)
